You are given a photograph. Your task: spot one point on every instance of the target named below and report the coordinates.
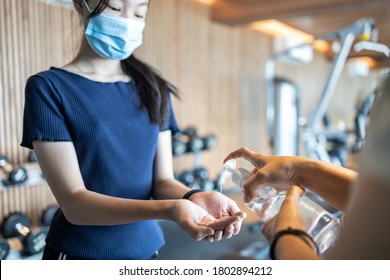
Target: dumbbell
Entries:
(186, 177)
(189, 131)
(17, 225)
(48, 214)
(195, 185)
(202, 176)
(201, 173)
(4, 249)
(14, 175)
(194, 142)
(209, 142)
(207, 185)
(179, 147)
(32, 157)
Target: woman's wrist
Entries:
(191, 193)
(167, 209)
(303, 168)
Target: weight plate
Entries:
(4, 249)
(32, 157)
(8, 226)
(35, 242)
(48, 214)
(18, 175)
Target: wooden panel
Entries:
(210, 64)
(29, 199)
(32, 35)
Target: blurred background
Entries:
(230, 60)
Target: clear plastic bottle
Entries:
(322, 226)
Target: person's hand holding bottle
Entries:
(277, 171)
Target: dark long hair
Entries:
(154, 90)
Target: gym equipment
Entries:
(319, 141)
(194, 143)
(201, 173)
(316, 136)
(286, 104)
(186, 177)
(17, 225)
(4, 249)
(362, 113)
(207, 185)
(179, 147)
(48, 214)
(188, 141)
(10, 175)
(209, 142)
(32, 157)
(194, 185)
(190, 131)
(197, 179)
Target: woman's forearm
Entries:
(333, 183)
(291, 247)
(90, 208)
(169, 189)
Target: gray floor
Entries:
(248, 244)
(245, 245)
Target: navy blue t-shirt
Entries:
(115, 144)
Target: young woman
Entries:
(364, 199)
(101, 129)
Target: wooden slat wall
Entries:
(215, 67)
(33, 36)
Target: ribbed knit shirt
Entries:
(115, 144)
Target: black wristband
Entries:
(191, 192)
(300, 233)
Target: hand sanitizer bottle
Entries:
(322, 226)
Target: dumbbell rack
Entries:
(189, 143)
(29, 197)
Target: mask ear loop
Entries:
(87, 6)
(89, 11)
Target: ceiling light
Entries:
(207, 2)
(276, 28)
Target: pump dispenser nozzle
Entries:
(227, 170)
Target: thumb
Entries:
(199, 232)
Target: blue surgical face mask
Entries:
(113, 37)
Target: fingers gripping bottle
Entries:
(322, 226)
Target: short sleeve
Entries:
(375, 158)
(172, 123)
(43, 118)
